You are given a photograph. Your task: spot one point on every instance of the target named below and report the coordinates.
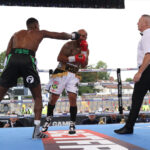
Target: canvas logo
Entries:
(30, 79)
(61, 123)
(84, 140)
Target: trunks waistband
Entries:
(70, 68)
(22, 51)
(60, 73)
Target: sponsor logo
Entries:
(84, 140)
(30, 79)
(61, 123)
(55, 85)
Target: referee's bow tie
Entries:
(141, 34)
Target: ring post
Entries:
(119, 91)
(50, 72)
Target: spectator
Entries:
(85, 105)
(141, 118)
(91, 119)
(113, 119)
(23, 110)
(100, 109)
(1, 124)
(13, 121)
(29, 110)
(145, 107)
(44, 110)
(106, 109)
(6, 108)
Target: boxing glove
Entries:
(77, 58)
(84, 47)
(75, 36)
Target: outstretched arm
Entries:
(62, 35)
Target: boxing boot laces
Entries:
(37, 134)
(72, 128)
(47, 123)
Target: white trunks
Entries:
(66, 80)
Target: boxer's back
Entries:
(27, 39)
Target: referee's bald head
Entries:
(146, 18)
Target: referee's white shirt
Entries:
(143, 46)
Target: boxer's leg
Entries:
(73, 111)
(72, 89)
(2, 92)
(36, 93)
(51, 106)
(57, 86)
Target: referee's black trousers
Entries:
(140, 89)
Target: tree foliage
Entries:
(102, 75)
(2, 57)
(86, 89)
(129, 80)
(93, 77)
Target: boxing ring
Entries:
(88, 137)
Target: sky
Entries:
(112, 33)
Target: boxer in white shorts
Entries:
(73, 55)
(68, 82)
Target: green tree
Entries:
(86, 89)
(102, 75)
(93, 77)
(129, 80)
(2, 57)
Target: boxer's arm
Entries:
(6, 125)
(62, 35)
(77, 58)
(62, 57)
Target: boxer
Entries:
(72, 56)
(21, 62)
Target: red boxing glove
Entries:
(84, 45)
(80, 58)
(77, 58)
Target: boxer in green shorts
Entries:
(20, 62)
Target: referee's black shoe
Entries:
(124, 130)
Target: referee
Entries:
(142, 77)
